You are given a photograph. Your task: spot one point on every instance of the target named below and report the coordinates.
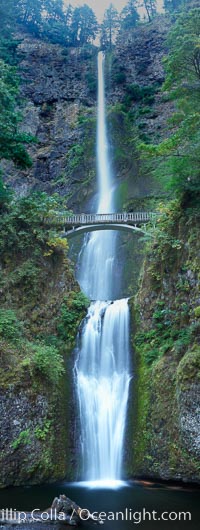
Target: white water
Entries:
(98, 254)
(102, 366)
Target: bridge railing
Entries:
(84, 219)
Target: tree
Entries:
(173, 5)
(178, 156)
(183, 62)
(84, 26)
(53, 9)
(6, 15)
(129, 15)
(109, 26)
(29, 13)
(11, 139)
(54, 23)
(150, 7)
(8, 44)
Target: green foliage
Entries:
(42, 432)
(189, 368)
(74, 156)
(172, 6)
(8, 44)
(30, 249)
(45, 361)
(11, 139)
(150, 8)
(163, 238)
(165, 335)
(25, 225)
(173, 326)
(81, 156)
(92, 82)
(120, 78)
(109, 27)
(129, 15)
(84, 26)
(50, 19)
(177, 158)
(183, 60)
(10, 327)
(23, 439)
(72, 312)
(5, 195)
(143, 95)
(197, 312)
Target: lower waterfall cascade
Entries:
(102, 365)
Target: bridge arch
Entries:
(94, 227)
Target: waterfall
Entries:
(97, 257)
(102, 365)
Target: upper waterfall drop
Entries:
(96, 274)
(105, 204)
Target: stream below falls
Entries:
(132, 498)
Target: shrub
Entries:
(41, 432)
(71, 312)
(10, 327)
(46, 360)
(197, 312)
(74, 156)
(120, 77)
(23, 439)
(92, 83)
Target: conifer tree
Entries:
(150, 8)
(129, 15)
(109, 27)
(84, 26)
(29, 13)
(173, 5)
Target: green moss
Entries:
(197, 312)
(140, 434)
(23, 439)
(189, 368)
(121, 195)
(72, 312)
(42, 432)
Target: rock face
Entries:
(165, 431)
(59, 99)
(32, 439)
(138, 62)
(55, 93)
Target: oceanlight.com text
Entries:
(136, 517)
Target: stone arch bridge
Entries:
(80, 223)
